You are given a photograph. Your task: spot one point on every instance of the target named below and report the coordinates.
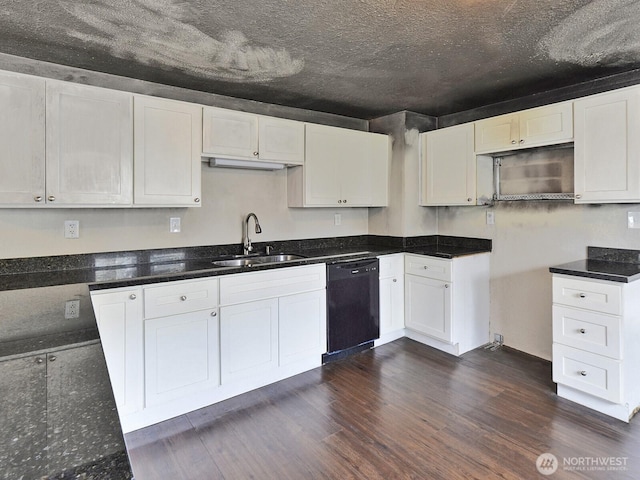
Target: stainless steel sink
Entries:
(254, 260)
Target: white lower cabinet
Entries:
(180, 356)
(119, 317)
(174, 347)
(391, 298)
(447, 301)
(249, 339)
(596, 333)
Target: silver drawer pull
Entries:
(425, 267)
(583, 373)
(582, 330)
(582, 295)
(214, 314)
(395, 280)
(446, 285)
(183, 298)
(133, 296)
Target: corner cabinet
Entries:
(343, 168)
(596, 331)
(607, 147)
(244, 136)
(447, 301)
(548, 125)
(448, 166)
(167, 149)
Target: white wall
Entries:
(228, 195)
(528, 238)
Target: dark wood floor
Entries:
(402, 410)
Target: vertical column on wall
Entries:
(403, 217)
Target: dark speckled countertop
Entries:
(58, 417)
(612, 264)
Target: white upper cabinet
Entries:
(343, 168)
(448, 166)
(244, 136)
(607, 147)
(22, 157)
(167, 146)
(88, 145)
(548, 125)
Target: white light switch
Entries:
(337, 219)
(174, 225)
(491, 217)
(633, 219)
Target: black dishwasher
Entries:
(353, 313)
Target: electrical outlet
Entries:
(337, 219)
(491, 217)
(71, 229)
(72, 309)
(498, 338)
(633, 219)
(174, 225)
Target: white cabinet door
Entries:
(281, 140)
(428, 307)
(119, 317)
(88, 145)
(168, 144)
(181, 356)
(546, 125)
(22, 156)
(248, 339)
(343, 168)
(229, 133)
(302, 326)
(497, 134)
(448, 166)
(391, 304)
(607, 147)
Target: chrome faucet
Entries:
(248, 248)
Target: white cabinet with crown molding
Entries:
(257, 138)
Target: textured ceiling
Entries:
(363, 58)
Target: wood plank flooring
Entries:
(400, 411)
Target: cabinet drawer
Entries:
(594, 332)
(592, 295)
(391, 265)
(180, 297)
(594, 374)
(247, 287)
(428, 267)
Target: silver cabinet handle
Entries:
(578, 196)
(133, 296)
(522, 140)
(37, 198)
(214, 314)
(39, 360)
(582, 295)
(255, 154)
(395, 280)
(469, 199)
(197, 200)
(339, 201)
(583, 373)
(425, 267)
(582, 330)
(51, 198)
(183, 298)
(344, 201)
(52, 358)
(513, 142)
(446, 285)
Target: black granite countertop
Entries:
(48, 359)
(612, 264)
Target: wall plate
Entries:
(633, 219)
